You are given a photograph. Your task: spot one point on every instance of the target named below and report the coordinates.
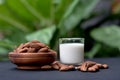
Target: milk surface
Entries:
(71, 53)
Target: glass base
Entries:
(76, 64)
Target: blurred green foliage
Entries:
(47, 21)
(107, 41)
(108, 35)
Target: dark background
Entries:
(97, 21)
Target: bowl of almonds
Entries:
(32, 55)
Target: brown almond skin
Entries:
(99, 65)
(105, 66)
(45, 49)
(84, 67)
(19, 47)
(90, 63)
(91, 66)
(41, 44)
(91, 69)
(64, 68)
(95, 67)
(15, 51)
(47, 46)
(26, 45)
(35, 41)
(23, 50)
(78, 67)
(71, 67)
(45, 67)
(31, 50)
(52, 51)
(55, 65)
(34, 45)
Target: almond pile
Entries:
(58, 66)
(33, 47)
(62, 67)
(88, 66)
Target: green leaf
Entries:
(42, 7)
(20, 10)
(43, 35)
(32, 10)
(109, 35)
(60, 8)
(3, 51)
(21, 13)
(16, 36)
(93, 51)
(78, 10)
(6, 44)
(7, 17)
(13, 22)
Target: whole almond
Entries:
(91, 69)
(95, 67)
(99, 65)
(45, 49)
(35, 41)
(105, 66)
(31, 50)
(26, 45)
(84, 66)
(41, 44)
(45, 67)
(24, 50)
(34, 45)
(64, 68)
(20, 47)
(71, 67)
(55, 66)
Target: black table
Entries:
(8, 71)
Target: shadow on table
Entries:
(52, 70)
(15, 69)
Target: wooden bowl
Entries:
(31, 60)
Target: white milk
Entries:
(71, 53)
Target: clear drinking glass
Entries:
(71, 50)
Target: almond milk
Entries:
(71, 53)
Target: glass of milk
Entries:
(71, 50)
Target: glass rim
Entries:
(70, 38)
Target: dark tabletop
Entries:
(8, 71)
